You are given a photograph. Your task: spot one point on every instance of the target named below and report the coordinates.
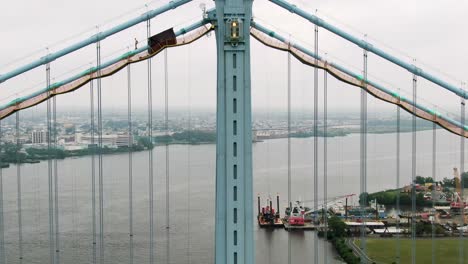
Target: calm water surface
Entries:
(192, 181)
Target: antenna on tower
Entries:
(203, 9)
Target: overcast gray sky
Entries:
(433, 31)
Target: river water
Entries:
(192, 181)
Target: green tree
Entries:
(420, 180)
(448, 182)
(387, 198)
(364, 199)
(337, 226)
(145, 142)
(419, 228)
(195, 136)
(405, 199)
(60, 153)
(163, 139)
(429, 180)
(439, 230)
(465, 179)
(420, 199)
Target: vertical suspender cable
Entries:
(363, 149)
(289, 152)
(36, 179)
(413, 189)
(2, 223)
(2, 227)
(150, 151)
(398, 246)
(56, 190)
(75, 243)
(316, 253)
(434, 147)
(325, 160)
(18, 175)
(166, 127)
(130, 162)
(93, 170)
(189, 158)
(100, 171)
(462, 169)
(49, 169)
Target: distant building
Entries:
(69, 139)
(123, 140)
(69, 128)
(111, 141)
(39, 137)
(73, 147)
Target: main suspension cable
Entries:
(316, 251)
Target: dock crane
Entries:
(459, 204)
(299, 214)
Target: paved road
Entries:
(357, 251)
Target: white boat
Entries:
(389, 230)
(338, 208)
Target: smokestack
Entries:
(258, 200)
(277, 204)
(346, 208)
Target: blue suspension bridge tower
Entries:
(234, 186)
(233, 25)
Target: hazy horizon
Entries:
(192, 68)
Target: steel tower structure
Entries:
(234, 187)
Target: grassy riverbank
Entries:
(384, 250)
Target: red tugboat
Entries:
(295, 217)
(458, 205)
(267, 216)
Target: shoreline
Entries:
(184, 141)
